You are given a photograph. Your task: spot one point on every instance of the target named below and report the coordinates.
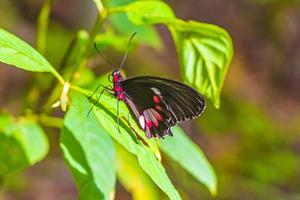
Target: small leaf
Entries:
(89, 151)
(205, 52)
(135, 180)
(189, 156)
(149, 12)
(147, 34)
(22, 144)
(14, 51)
(135, 144)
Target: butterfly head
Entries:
(117, 76)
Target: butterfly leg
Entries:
(96, 102)
(110, 90)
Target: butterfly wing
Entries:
(159, 103)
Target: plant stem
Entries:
(99, 21)
(81, 90)
(50, 121)
(43, 21)
(58, 77)
(120, 9)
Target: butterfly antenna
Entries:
(126, 51)
(103, 56)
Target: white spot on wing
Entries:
(142, 121)
(155, 90)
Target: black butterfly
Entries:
(157, 103)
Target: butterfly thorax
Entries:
(118, 89)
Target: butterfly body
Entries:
(157, 103)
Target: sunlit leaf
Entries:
(89, 152)
(146, 34)
(205, 52)
(190, 157)
(14, 51)
(133, 178)
(22, 144)
(149, 12)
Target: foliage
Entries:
(87, 143)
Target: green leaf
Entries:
(22, 144)
(205, 52)
(14, 51)
(189, 156)
(149, 12)
(147, 34)
(134, 142)
(135, 180)
(89, 152)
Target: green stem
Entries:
(58, 77)
(81, 90)
(43, 21)
(120, 9)
(100, 19)
(50, 121)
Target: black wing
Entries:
(159, 104)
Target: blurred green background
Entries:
(252, 141)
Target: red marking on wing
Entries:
(149, 124)
(157, 115)
(158, 108)
(156, 99)
(155, 122)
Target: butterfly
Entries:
(157, 103)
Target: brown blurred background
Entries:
(252, 141)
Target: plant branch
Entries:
(50, 121)
(99, 21)
(43, 21)
(80, 90)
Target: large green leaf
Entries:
(205, 52)
(14, 51)
(133, 141)
(189, 156)
(22, 144)
(89, 151)
(135, 180)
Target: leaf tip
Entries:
(213, 189)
